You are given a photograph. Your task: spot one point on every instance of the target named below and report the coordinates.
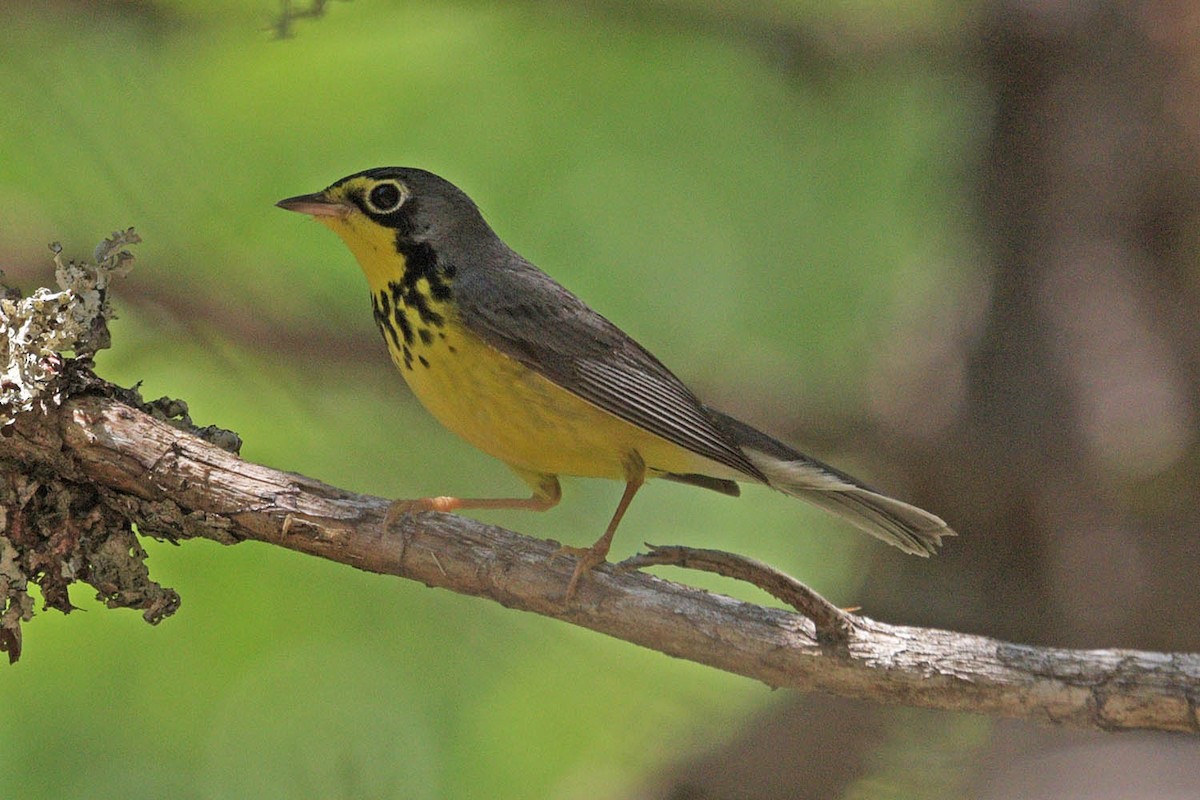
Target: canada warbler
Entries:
(521, 368)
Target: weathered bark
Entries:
(171, 483)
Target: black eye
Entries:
(385, 198)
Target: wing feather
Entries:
(525, 314)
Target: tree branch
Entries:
(85, 463)
(174, 484)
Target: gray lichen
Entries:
(54, 530)
(36, 331)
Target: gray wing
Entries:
(525, 314)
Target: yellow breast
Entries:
(511, 412)
(493, 401)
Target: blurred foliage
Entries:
(760, 231)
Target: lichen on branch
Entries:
(36, 331)
(53, 531)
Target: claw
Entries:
(398, 509)
(589, 559)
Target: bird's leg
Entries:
(546, 494)
(590, 557)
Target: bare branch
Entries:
(832, 624)
(172, 483)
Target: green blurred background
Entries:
(780, 233)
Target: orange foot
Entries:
(589, 558)
(402, 508)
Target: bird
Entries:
(514, 363)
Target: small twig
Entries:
(283, 24)
(833, 625)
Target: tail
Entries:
(895, 522)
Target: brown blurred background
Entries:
(1055, 423)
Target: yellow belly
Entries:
(511, 412)
(494, 402)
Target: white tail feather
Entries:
(894, 521)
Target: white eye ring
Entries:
(385, 197)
